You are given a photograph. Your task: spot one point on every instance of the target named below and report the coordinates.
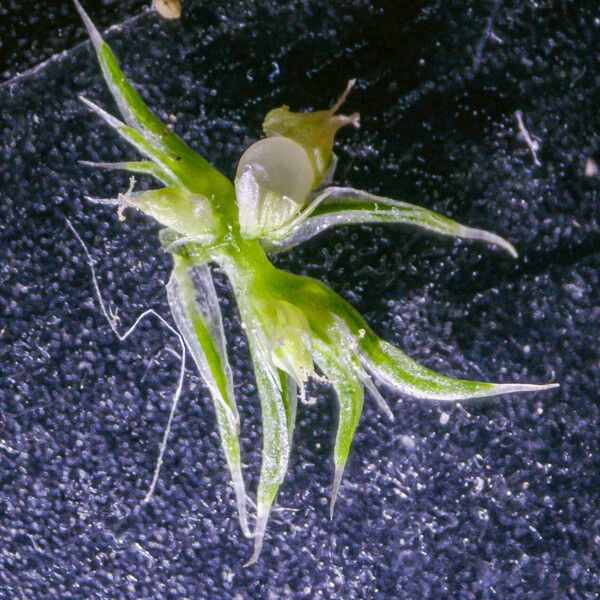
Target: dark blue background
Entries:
(500, 501)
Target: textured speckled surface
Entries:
(486, 500)
(32, 31)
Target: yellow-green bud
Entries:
(314, 131)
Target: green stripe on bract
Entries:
(350, 395)
(137, 114)
(394, 367)
(289, 394)
(276, 444)
(203, 335)
(207, 180)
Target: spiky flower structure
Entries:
(281, 196)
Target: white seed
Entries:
(280, 165)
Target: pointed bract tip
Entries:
(506, 245)
(105, 201)
(240, 499)
(262, 516)
(94, 34)
(489, 237)
(503, 244)
(108, 118)
(508, 388)
(379, 399)
(106, 165)
(337, 481)
(389, 414)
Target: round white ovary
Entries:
(273, 180)
(280, 165)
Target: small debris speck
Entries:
(168, 9)
(408, 442)
(591, 168)
(532, 143)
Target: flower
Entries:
(295, 325)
